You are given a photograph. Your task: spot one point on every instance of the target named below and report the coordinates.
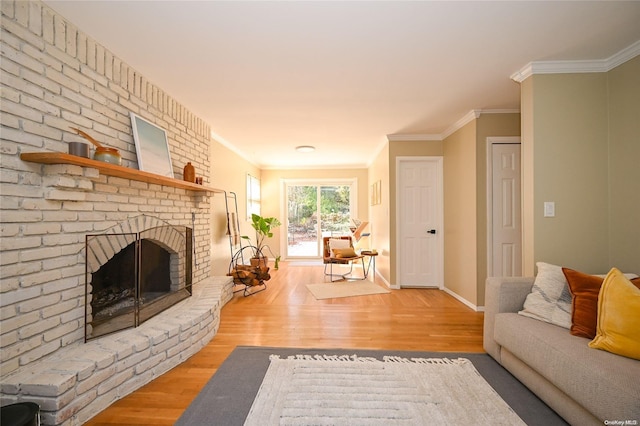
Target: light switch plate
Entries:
(549, 209)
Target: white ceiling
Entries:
(268, 76)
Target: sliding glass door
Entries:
(314, 210)
(302, 221)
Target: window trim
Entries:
(254, 201)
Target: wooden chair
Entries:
(331, 257)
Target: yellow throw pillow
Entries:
(618, 329)
(344, 253)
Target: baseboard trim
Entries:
(463, 300)
(387, 283)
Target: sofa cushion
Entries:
(584, 309)
(550, 299)
(604, 383)
(618, 329)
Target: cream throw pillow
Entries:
(339, 243)
(550, 299)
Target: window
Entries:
(253, 196)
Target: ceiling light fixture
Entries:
(305, 148)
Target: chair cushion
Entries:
(342, 253)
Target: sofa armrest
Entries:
(502, 294)
(507, 294)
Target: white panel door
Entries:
(420, 257)
(507, 228)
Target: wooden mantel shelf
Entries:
(113, 170)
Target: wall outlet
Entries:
(549, 209)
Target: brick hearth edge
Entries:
(79, 381)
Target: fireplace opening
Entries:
(132, 277)
(114, 288)
(154, 271)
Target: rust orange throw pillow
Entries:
(584, 307)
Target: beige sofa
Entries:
(585, 386)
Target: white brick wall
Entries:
(52, 77)
(77, 382)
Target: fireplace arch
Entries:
(134, 271)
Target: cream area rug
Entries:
(345, 289)
(351, 390)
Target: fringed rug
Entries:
(227, 397)
(354, 390)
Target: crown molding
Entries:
(500, 111)
(466, 119)
(405, 137)
(474, 114)
(384, 143)
(624, 55)
(576, 67)
(222, 141)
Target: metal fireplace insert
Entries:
(131, 277)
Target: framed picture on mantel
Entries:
(152, 147)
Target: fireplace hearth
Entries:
(133, 276)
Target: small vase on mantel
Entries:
(189, 173)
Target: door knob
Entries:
(431, 231)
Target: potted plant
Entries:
(263, 227)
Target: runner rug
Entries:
(357, 386)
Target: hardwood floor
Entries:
(287, 315)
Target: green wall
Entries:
(624, 160)
(584, 137)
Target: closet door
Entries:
(506, 211)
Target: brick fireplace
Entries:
(56, 77)
(44, 355)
